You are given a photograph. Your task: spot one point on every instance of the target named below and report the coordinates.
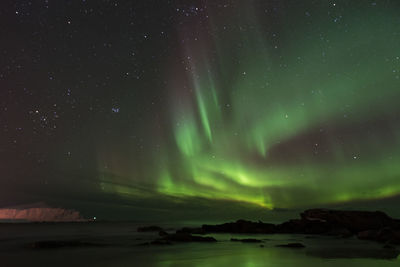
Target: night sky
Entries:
(154, 108)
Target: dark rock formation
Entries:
(184, 237)
(187, 230)
(387, 246)
(376, 226)
(386, 234)
(304, 226)
(292, 245)
(246, 240)
(162, 233)
(354, 253)
(152, 228)
(241, 226)
(355, 221)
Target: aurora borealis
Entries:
(272, 104)
(303, 116)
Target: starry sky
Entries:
(146, 109)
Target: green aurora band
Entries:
(296, 117)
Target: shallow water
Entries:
(122, 239)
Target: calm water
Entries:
(122, 249)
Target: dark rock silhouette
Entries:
(184, 237)
(386, 234)
(246, 240)
(355, 221)
(162, 233)
(376, 226)
(367, 225)
(387, 246)
(304, 226)
(168, 239)
(354, 253)
(187, 230)
(241, 226)
(291, 245)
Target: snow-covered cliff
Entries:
(40, 214)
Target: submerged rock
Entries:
(246, 240)
(187, 230)
(241, 226)
(184, 237)
(291, 245)
(162, 233)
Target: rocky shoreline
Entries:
(365, 225)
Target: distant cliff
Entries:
(41, 214)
